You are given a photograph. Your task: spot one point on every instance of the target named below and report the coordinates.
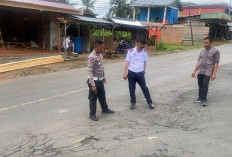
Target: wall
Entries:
(157, 15)
(199, 32)
(173, 34)
(172, 16)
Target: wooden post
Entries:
(2, 41)
(191, 28)
(113, 33)
(58, 35)
(65, 33)
(89, 49)
(103, 34)
(156, 29)
(216, 30)
(79, 30)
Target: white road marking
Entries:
(80, 90)
(152, 137)
(42, 99)
(62, 111)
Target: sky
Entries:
(102, 6)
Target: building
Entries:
(159, 11)
(208, 20)
(26, 21)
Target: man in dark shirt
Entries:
(206, 68)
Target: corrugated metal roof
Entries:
(150, 3)
(90, 19)
(43, 3)
(121, 21)
(217, 16)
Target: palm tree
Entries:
(120, 8)
(89, 7)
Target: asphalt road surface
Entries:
(48, 115)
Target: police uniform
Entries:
(96, 77)
(136, 73)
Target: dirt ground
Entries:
(73, 63)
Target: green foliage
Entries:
(125, 35)
(119, 8)
(118, 34)
(98, 32)
(160, 46)
(172, 47)
(89, 7)
(151, 41)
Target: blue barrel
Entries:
(77, 45)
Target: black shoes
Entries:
(198, 100)
(132, 106)
(107, 111)
(93, 117)
(204, 102)
(151, 105)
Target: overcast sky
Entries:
(102, 6)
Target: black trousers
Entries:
(203, 83)
(100, 96)
(140, 79)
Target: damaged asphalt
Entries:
(47, 115)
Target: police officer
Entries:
(135, 69)
(96, 80)
(206, 66)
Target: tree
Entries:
(89, 7)
(120, 8)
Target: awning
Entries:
(90, 20)
(128, 23)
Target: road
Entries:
(48, 115)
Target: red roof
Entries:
(43, 3)
(204, 9)
(200, 11)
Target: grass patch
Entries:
(172, 47)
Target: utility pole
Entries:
(191, 28)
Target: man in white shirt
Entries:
(67, 44)
(135, 69)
